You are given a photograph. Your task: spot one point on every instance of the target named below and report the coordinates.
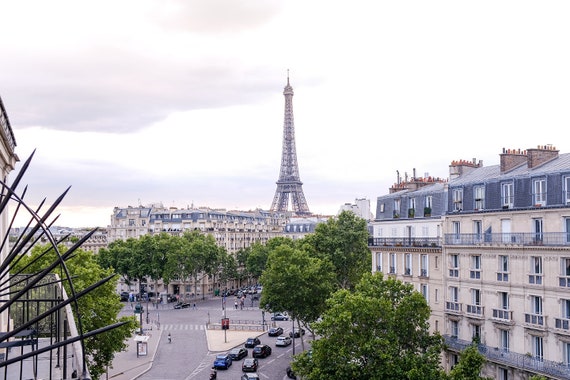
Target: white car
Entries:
(283, 341)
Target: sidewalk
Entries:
(127, 365)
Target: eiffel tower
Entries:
(289, 183)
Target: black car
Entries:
(182, 305)
(297, 333)
(124, 296)
(252, 342)
(250, 365)
(290, 373)
(238, 353)
(275, 331)
(261, 351)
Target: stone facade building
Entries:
(501, 277)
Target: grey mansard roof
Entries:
(492, 173)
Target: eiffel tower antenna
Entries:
(289, 184)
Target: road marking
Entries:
(173, 327)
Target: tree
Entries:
(297, 283)
(377, 331)
(344, 242)
(469, 366)
(98, 308)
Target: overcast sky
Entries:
(181, 102)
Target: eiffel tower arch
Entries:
(289, 185)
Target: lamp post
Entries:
(293, 331)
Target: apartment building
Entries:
(505, 263)
(233, 230)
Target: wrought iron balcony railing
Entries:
(524, 362)
(405, 242)
(520, 238)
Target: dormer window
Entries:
(457, 199)
(539, 192)
(479, 197)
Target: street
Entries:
(188, 355)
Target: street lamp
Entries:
(293, 331)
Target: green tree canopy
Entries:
(377, 331)
(344, 242)
(470, 364)
(296, 283)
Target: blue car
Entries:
(223, 361)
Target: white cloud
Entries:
(181, 101)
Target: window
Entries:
(504, 300)
(428, 205)
(454, 329)
(475, 272)
(424, 265)
(454, 294)
(476, 333)
(537, 229)
(538, 347)
(536, 305)
(425, 291)
(504, 340)
(567, 223)
(453, 265)
(379, 261)
(535, 276)
(566, 359)
(412, 207)
(503, 374)
(507, 195)
(457, 199)
(453, 304)
(565, 309)
(502, 272)
(477, 231)
(392, 263)
(382, 207)
(397, 208)
(565, 266)
(567, 190)
(456, 226)
(408, 264)
(539, 191)
(479, 197)
(436, 295)
(475, 306)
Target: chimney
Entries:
(541, 155)
(511, 158)
(460, 167)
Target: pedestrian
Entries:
(194, 306)
(235, 304)
(169, 338)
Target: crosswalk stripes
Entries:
(182, 327)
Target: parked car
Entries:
(261, 351)
(298, 333)
(238, 353)
(283, 341)
(223, 361)
(182, 305)
(249, 365)
(290, 373)
(252, 342)
(279, 317)
(275, 331)
(249, 376)
(124, 296)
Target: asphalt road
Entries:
(188, 356)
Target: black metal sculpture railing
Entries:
(32, 305)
